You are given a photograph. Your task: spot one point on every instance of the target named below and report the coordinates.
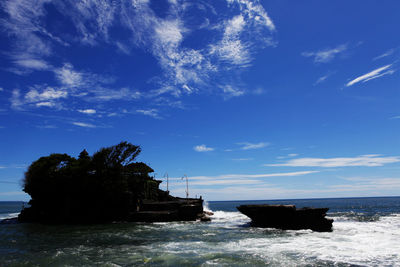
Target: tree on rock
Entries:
(104, 187)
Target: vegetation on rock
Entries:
(106, 186)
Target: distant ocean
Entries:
(366, 232)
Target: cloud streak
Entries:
(84, 125)
(379, 72)
(365, 160)
(186, 69)
(250, 146)
(326, 55)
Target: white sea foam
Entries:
(8, 215)
(361, 243)
(228, 219)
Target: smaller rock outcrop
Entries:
(287, 217)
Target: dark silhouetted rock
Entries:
(108, 186)
(287, 217)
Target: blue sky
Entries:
(250, 99)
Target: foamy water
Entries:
(358, 239)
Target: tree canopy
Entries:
(104, 186)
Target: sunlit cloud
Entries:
(202, 148)
(379, 72)
(87, 111)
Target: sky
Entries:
(250, 99)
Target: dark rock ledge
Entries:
(287, 217)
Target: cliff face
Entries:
(287, 217)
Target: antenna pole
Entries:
(187, 186)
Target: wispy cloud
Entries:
(149, 112)
(326, 55)
(185, 69)
(365, 160)
(87, 111)
(386, 54)
(248, 146)
(231, 91)
(68, 76)
(379, 72)
(34, 64)
(323, 79)
(231, 48)
(255, 11)
(226, 178)
(291, 155)
(84, 124)
(202, 148)
(38, 97)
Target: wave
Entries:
(8, 215)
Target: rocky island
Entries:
(287, 217)
(108, 186)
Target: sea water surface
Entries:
(366, 232)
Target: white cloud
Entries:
(202, 148)
(231, 48)
(47, 93)
(385, 70)
(46, 104)
(169, 32)
(229, 183)
(1, 89)
(255, 11)
(85, 125)
(149, 112)
(266, 175)
(87, 111)
(185, 69)
(15, 100)
(99, 93)
(24, 22)
(326, 55)
(35, 64)
(248, 146)
(365, 160)
(386, 54)
(226, 178)
(68, 76)
(230, 91)
(321, 79)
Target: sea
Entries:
(366, 232)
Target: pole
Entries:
(187, 186)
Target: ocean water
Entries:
(366, 232)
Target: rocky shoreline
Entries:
(287, 217)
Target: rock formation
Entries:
(287, 217)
